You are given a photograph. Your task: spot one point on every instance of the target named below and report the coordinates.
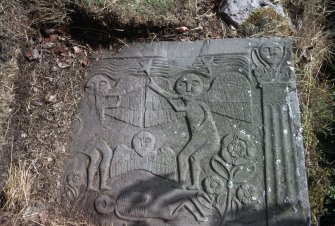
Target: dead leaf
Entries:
(63, 65)
(60, 49)
(77, 50)
(48, 45)
(83, 62)
(28, 54)
(181, 29)
(53, 38)
(34, 54)
(50, 31)
(50, 98)
(43, 216)
(37, 55)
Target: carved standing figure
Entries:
(93, 150)
(101, 96)
(204, 138)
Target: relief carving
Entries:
(229, 191)
(170, 143)
(271, 63)
(100, 155)
(73, 187)
(140, 205)
(143, 156)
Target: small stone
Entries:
(237, 12)
(181, 29)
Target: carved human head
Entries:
(189, 84)
(99, 83)
(143, 142)
(272, 53)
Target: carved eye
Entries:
(147, 140)
(266, 50)
(182, 83)
(195, 83)
(277, 49)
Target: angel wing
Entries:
(162, 163)
(124, 160)
(130, 108)
(158, 110)
(229, 93)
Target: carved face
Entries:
(99, 83)
(272, 53)
(143, 143)
(189, 84)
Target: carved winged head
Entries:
(272, 53)
(189, 84)
(143, 143)
(99, 83)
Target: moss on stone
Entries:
(264, 22)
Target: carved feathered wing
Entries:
(130, 108)
(230, 92)
(162, 163)
(230, 95)
(124, 160)
(158, 110)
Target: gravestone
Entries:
(190, 133)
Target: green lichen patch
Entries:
(265, 22)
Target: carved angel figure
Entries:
(143, 156)
(204, 137)
(228, 95)
(100, 96)
(271, 61)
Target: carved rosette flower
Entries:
(75, 179)
(238, 149)
(246, 194)
(214, 185)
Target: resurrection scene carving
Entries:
(190, 133)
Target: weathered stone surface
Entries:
(202, 133)
(238, 11)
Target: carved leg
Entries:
(104, 165)
(192, 209)
(92, 168)
(195, 173)
(183, 168)
(183, 159)
(208, 148)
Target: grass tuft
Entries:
(18, 188)
(315, 89)
(265, 22)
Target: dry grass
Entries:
(8, 71)
(18, 190)
(18, 187)
(39, 130)
(314, 44)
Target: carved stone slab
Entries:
(190, 133)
